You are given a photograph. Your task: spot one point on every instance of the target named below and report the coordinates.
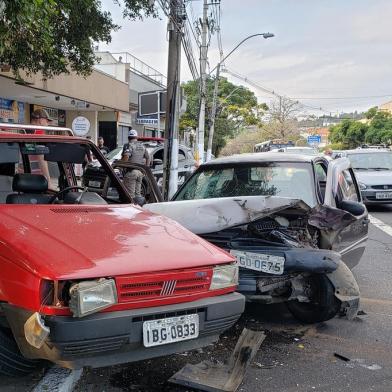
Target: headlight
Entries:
(224, 276)
(92, 296)
(362, 186)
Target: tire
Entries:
(323, 306)
(12, 362)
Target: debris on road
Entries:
(342, 357)
(219, 377)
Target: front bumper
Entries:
(110, 338)
(369, 197)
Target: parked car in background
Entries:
(87, 278)
(295, 224)
(373, 169)
(94, 176)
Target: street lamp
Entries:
(216, 86)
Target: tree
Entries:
(283, 123)
(237, 107)
(349, 132)
(56, 36)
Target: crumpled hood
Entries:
(69, 242)
(374, 177)
(211, 215)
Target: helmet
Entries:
(132, 133)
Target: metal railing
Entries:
(140, 67)
(35, 129)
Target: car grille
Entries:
(383, 187)
(136, 288)
(93, 346)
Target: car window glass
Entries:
(347, 186)
(286, 180)
(181, 155)
(159, 154)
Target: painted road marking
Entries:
(380, 225)
(58, 379)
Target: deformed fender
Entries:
(346, 289)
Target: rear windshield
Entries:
(285, 179)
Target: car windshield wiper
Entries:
(380, 168)
(361, 168)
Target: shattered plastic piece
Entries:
(210, 377)
(342, 357)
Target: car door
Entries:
(342, 192)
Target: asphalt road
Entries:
(294, 357)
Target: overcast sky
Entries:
(335, 49)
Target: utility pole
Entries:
(213, 114)
(170, 166)
(203, 89)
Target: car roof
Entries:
(261, 157)
(366, 151)
(27, 136)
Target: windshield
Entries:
(35, 172)
(371, 161)
(285, 179)
(113, 154)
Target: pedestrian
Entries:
(38, 165)
(101, 145)
(328, 152)
(40, 117)
(134, 152)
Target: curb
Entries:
(58, 379)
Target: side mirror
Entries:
(353, 207)
(157, 162)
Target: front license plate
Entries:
(384, 195)
(259, 262)
(94, 184)
(170, 330)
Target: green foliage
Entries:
(237, 107)
(352, 133)
(56, 36)
(349, 133)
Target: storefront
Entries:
(12, 111)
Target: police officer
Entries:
(134, 152)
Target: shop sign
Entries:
(11, 111)
(146, 121)
(80, 126)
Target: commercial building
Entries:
(71, 100)
(147, 92)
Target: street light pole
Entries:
(216, 87)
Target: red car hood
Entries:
(69, 242)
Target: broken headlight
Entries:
(224, 276)
(92, 296)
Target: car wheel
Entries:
(12, 362)
(323, 304)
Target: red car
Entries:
(92, 280)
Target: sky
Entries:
(330, 54)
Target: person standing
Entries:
(134, 152)
(37, 162)
(101, 145)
